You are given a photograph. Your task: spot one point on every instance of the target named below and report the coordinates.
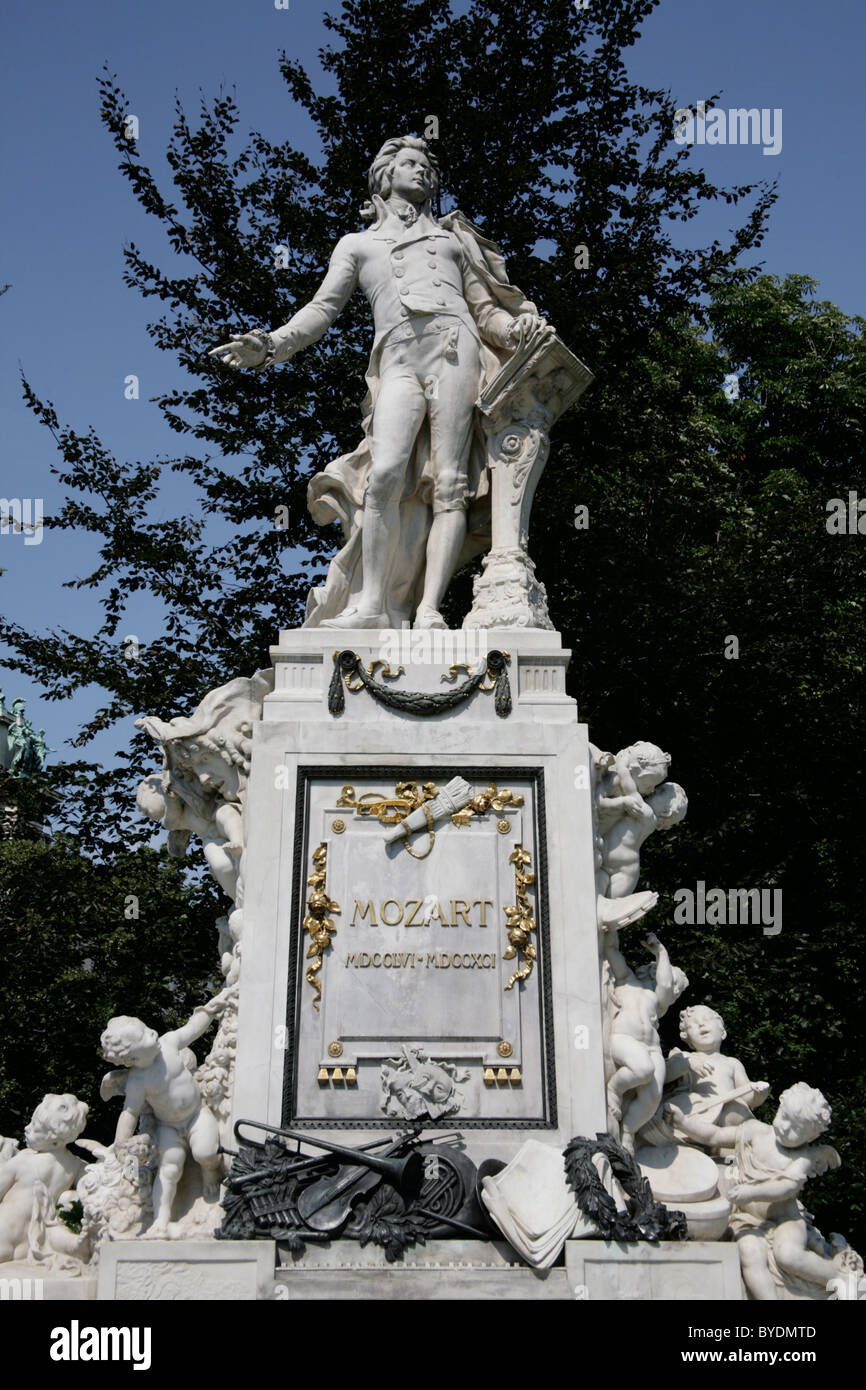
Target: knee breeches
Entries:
(431, 370)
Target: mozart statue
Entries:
(413, 498)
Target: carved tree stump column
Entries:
(518, 409)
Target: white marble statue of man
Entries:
(411, 497)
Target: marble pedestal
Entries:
(378, 974)
(592, 1270)
(672, 1271)
(531, 1055)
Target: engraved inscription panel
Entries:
(419, 949)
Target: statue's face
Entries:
(705, 1030)
(412, 176)
(647, 778)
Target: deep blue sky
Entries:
(76, 329)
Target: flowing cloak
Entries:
(337, 493)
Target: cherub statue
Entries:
(159, 1076)
(711, 1084)
(639, 999)
(178, 804)
(777, 1242)
(633, 800)
(206, 763)
(44, 1170)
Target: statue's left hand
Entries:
(524, 325)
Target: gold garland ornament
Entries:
(519, 919)
(491, 799)
(413, 805)
(317, 922)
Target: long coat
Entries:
(388, 264)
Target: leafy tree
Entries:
(771, 743)
(81, 941)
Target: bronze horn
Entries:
(325, 1204)
(324, 1197)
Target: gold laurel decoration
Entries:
(408, 796)
(451, 673)
(519, 921)
(491, 799)
(317, 922)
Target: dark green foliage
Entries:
(72, 958)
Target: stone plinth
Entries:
(143, 1271)
(440, 1269)
(672, 1271)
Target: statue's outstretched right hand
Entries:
(246, 351)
